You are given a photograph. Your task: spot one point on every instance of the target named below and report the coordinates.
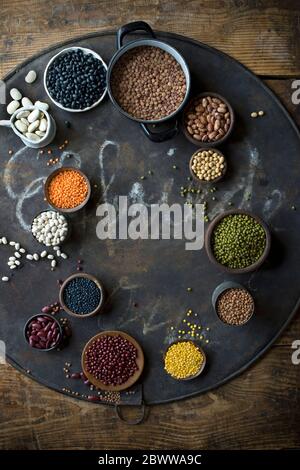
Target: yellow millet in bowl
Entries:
(183, 360)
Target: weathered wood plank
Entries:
(264, 399)
(262, 35)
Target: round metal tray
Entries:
(147, 280)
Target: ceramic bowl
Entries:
(62, 52)
(44, 141)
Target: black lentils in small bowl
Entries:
(75, 79)
(82, 296)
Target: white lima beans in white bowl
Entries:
(50, 228)
(35, 127)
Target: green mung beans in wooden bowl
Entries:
(237, 241)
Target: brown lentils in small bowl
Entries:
(208, 119)
(208, 165)
(235, 306)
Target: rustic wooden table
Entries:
(261, 408)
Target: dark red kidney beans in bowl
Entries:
(43, 332)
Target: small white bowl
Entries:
(64, 51)
(44, 141)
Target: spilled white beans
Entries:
(12, 106)
(19, 254)
(31, 76)
(42, 105)
(26, 102)
(15, 94)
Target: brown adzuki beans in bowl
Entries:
(208, 119)
(148, 83)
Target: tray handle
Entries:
(132, 422)
(160, 136)
(130, 27)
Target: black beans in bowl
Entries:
(75, 79)
(43, 332)
(81, 295)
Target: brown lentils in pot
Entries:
(148, 83)
(207, 119)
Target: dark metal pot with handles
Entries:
(157, 135)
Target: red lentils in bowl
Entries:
(67, 189)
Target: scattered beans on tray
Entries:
(183, 360)
(207, 165)
(67, 189)
(49, 228)
(76, 79)
(43, 332)
(111, 359)
(148, 83)
(207, 119)
(238, 241)
(82, 295)
(235, 306)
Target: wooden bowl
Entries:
(187, 110)
(198, 347)
(208, 247)
(204, 181)
(91, 278)
(56, 172)
(132, 380)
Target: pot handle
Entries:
(130, 27)
(161, 136)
